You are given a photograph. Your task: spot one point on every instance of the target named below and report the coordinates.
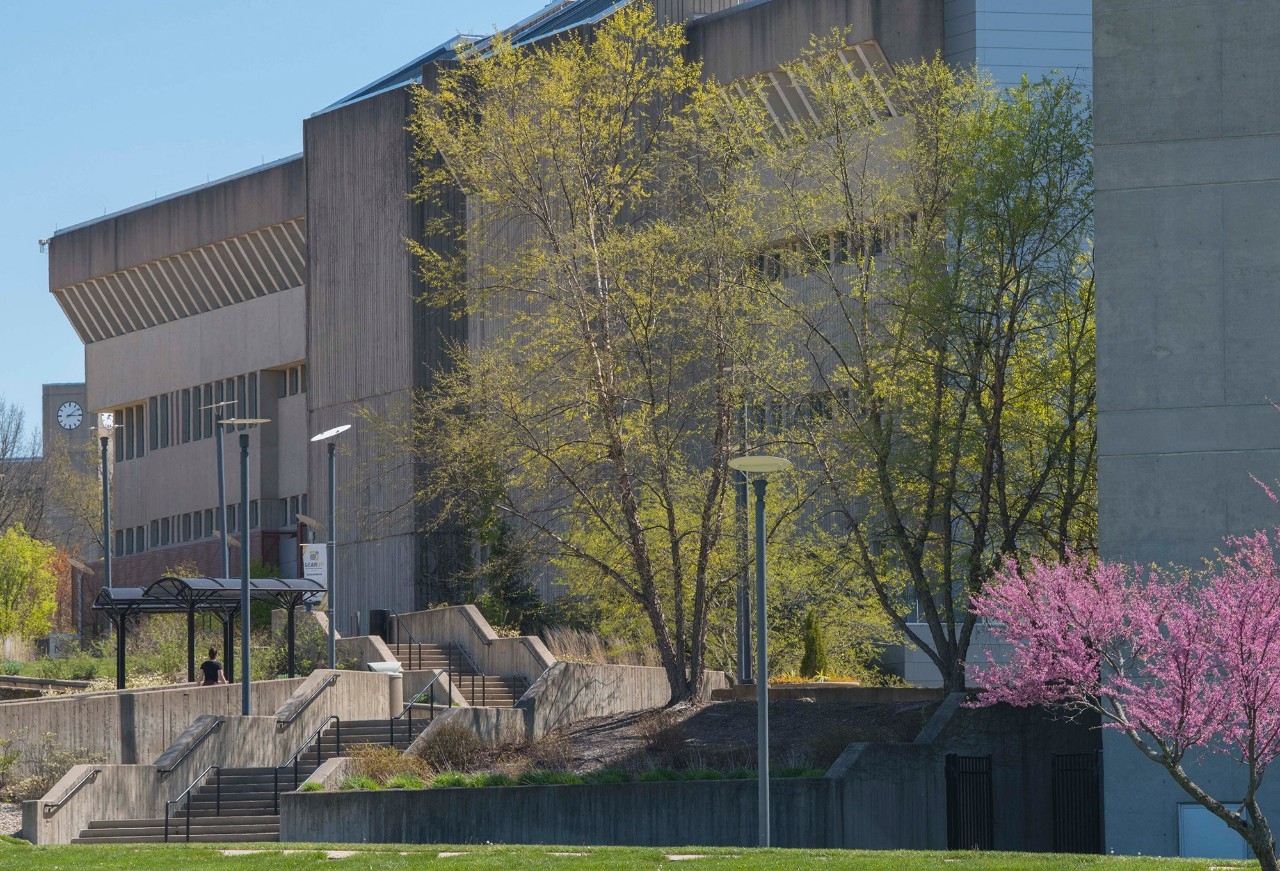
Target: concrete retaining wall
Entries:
(140, 791)
(135, 725)
(805, 813)
(525, 656)
(572, 691)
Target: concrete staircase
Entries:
(245, 811)
(480, 690)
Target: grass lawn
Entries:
(280, 857)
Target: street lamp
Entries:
(106, 424)
(331, 562)
(761, 466)
(244, 554)
(222, 481)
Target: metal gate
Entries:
(1077, 803)
(970, 823)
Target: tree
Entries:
(1183, 667)
(28, 584)
(22, 475)
(815, 651)
(603, 260)
(935, 234)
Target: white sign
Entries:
(315, 562)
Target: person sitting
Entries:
(212, 670)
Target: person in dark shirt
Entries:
(212, 669)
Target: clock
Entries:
(69, 415)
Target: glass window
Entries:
(155, 422)
(208, 521)
(242, 398)
(187, 525)
(128, 540)
(119, 541)
(128, 435)
(140, 412)
(166, 530)
(166, 418)
(253, 514)
(207, 403)
(155, 534)
(186, 428)
(117, 435)
(293, 380)
(231, 517)
(302, 378)
(253, 394)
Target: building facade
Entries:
(1188, 214)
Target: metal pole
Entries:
(744, 580)
(762, 668)
(244, 572)
(222, 496)
(332, 561)
(106, 514)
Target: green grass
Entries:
(371, 857)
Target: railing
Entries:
(408, 709)
(213, 727)
(414, 644)
(315, 694)
(52, 807)
(186, 793)
(475, 669)
(295, 759)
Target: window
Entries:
(253, 394)
(186, 527)
(186, 427)
(293, 380)
(253, 514)
(208, 410)
(166, 529)
(231, 517)
(302, 378)
(119, 541)
(155, 421)
(128, 541)
(291, 514)
(142, 542)
(117, 435)
(166, 419)
(242, 398)
(197, 527)
(155, 534)
(209, 526)
(128, 438)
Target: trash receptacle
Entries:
(379, 622)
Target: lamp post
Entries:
(332, 557)
(222, 480)
(244, 555)
(761, 466)
(106, 423)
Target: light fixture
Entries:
(761, 466)
(331, 560)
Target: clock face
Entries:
(69, 415)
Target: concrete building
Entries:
(288, 289)
(1188, 214)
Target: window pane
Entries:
(166, 529)
(207, 403)
(242, 398)
(154, 421)
(253, 394)
(293, 380)
(253, 514)
(165, 420)
(302, 378)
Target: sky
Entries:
(106, 104)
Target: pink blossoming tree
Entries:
(1183, 667)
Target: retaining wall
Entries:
(140, 791)
(709, 812)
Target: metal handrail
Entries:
(200, 778)
(213, 727)
(324, 684)
(297, 754)
(408, 709)
(52, 807)
(414, 643)
(475, 669)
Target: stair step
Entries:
(224, 821)
(264, 836)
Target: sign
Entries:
(315, 562)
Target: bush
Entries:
(797, 771)
(359, 781)
(607, 775)
(451, 747)
(404, 781)
(814, 662)
(548, 778)
(492, 780)
(312, 786)
(10, 667)
(43, 761)
(384, 763)
(450, 778)
(654, 775)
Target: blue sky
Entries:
(109, 103)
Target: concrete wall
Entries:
(572, 691)
(1188, 211)
(139, 791)
(707, 813)
(524, 656)
(134, 726)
